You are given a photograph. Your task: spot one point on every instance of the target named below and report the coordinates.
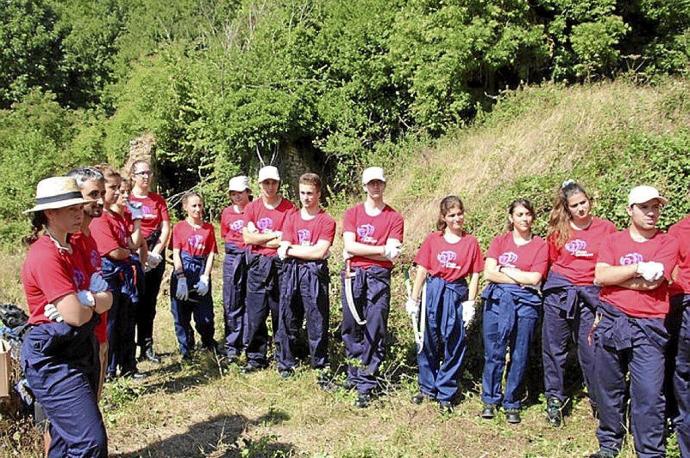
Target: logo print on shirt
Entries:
(304, 236)
(196, 241)
(508, 259)
(631, 258)
(447, 259)
(237, 225)
(147, 212)
(265, 224)
(95, 259)
(578, 248)
(78, 278)
(365, 232)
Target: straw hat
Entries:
(57, 192)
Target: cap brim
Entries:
(56, 205)
(238, 190)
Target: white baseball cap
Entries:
(268, 173)
(372, 173)
(57, 192)
(239, 183)
(642, 194)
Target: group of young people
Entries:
(622, 296)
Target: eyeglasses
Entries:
(144, 173)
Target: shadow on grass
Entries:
(220, 436)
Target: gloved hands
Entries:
(201, 286)
(650, 271)
(51, 312)
(282, 250)
(412, 307)
(347, 255)
(182, 292)
(135, 210)
(97, 283)
(392, 249)
(467, 313)
(154, 259)
(86, 299)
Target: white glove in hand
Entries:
(467, 312)
(135, 210)
(282, 250)
(347, 255)
(154, 259)
(51, 312)
(97, 283)
(392, 250)
(86, 299)
(650, 271)
(659, 270)
(202, 285)
(412, 307)
(182, 292)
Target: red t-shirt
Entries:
(619, 249)
(91, 262)
(530, 257)
(231, 225)
(299, 231)
(110, 232)
(576, 259)
(450, 261)
(155, 211)
(681, 232)
(267, 220)
(197, 241)
(49, 274)
(373, 230)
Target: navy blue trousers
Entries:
(263, 296)
(634, 346)
(61, 365)
(371, 291)
(441, 358)
(146, 308)
(120, 331)
(569, 313)
(234, 290)
(304, 293)
(681, 375)
(510, 316)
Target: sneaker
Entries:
(134, 375)
(603, 453)
(363, 400)
(488, 411)
(446, 407)
(150, 355)
(286, 373)
(554, 414)
(420, 397)
(110, 377)
(513, 416)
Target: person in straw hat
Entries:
(65, 296)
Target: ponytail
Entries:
(559, 218)
(38, 222)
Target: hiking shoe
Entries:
(446, 407)
(604, 453)
(286, 373)
(554, 414)
(513, 416)
(134, 375)
(488, 411)
(363, 400)
(420, 397)
(149, 354)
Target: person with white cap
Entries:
(634, 268)
(65, 295)
(263, 223)
(234, 265)
(373, 236)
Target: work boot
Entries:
(513, 416)
(488, 411)
(554, 414)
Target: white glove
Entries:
(467, 313)
(51, 312)
(135, 210)
(659, 270)
(282, 250)
(154, 259)
(278, 234)
(392, 251)
(347, 255)
(650, 271)
(412, 307)
(201, 286)
(86, 299)
(97, 283)
(182, 292)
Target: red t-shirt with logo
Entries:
(197, 241)
(267, 220)
(619, 249)
(373, 230)
(681, 232)
(231, 225)
(49, 274)
(91, 261)
(530, 257)
(110, 232)
(299, 231)
(155, 211)
(576, 259)
(450, 261)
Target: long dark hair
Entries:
(559, 218)
(38, 222)
(447, 204)
(518, 203)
